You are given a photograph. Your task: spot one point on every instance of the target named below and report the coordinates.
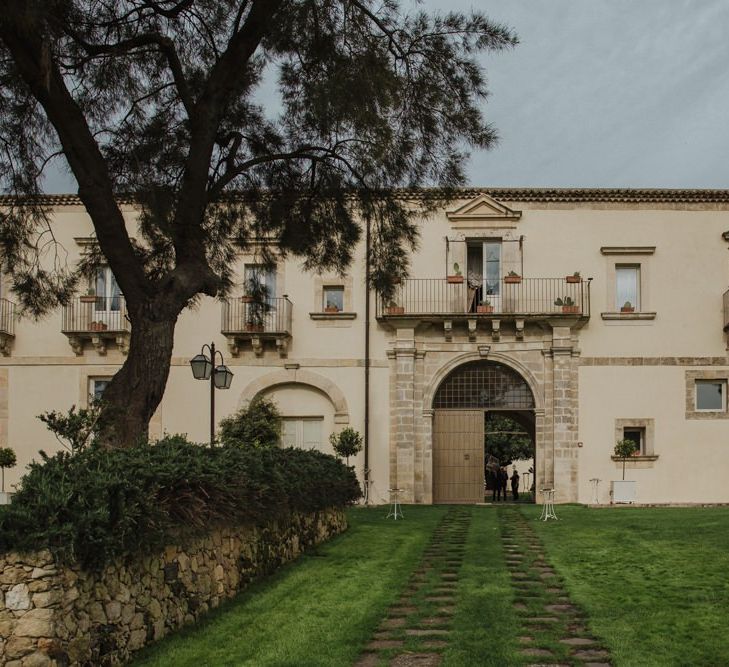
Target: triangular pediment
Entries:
(483, 209)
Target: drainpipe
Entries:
(367, 366)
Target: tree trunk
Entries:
(136, 390)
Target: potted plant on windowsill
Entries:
(624, 491)
(485, 307)
(512, 278)
(568, 304)
(457, 277)
(7, 460)
(574, 278)
(331, 307)
(627, 307)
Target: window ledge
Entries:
(333, 316)
(642, 457)
(628, 316)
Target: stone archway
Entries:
(298, 376)
(460, 403)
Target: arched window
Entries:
(484, 384)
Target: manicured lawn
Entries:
(652, 580)
(318, 611)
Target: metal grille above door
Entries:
(484, 384)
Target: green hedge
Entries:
(100, 504)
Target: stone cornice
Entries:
(539, 195)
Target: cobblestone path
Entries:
(553, 628)
(417, 627)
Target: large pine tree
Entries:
(157, 99)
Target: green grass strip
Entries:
(483, 631)
(320, 610)
(653, 580)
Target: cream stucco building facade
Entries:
(517, 334)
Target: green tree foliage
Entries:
(7, 460)
(159, 99)
(625, 449)
(101, 504)
(75, 429)
(258, 425)
(507, 440)
(346, 443)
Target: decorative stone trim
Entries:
(333, 316)
(63, 615)
(628, 250)
(628, 316)
(635, 459)
(691, 411)
(649, 426)
(654, 361)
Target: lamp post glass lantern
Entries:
(221, 378)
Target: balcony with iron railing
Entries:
(7, 325)
(98, 319)
(247, 320)
(440, 299)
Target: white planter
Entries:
(623, 491)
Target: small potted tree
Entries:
(624, 491)
(574, 278)
(568, 304)
(627, 307)
(346, 443)
(512, 278)
(7, 460)
(456, 277)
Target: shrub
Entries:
(258, 425)
(346, 443)
(100, 504)
(75, 429)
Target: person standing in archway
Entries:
(515, 485)
(503, 482)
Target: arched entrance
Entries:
(461, 405)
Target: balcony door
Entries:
(107, 308)
(263, 276)
(484, 272)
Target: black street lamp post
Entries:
(204, 368)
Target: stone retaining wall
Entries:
(63, 615)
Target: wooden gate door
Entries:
(458, 456)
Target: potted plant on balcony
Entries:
(627, 307)
(393, 309)
(574, 278)
(257, 308)
(512, 278)
(485, 307)
(89, 297)
(624, 491)
(7, 460)
(568, 304)
(456, 277)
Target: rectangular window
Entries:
(107, 291)
(627, 286)
(637, 435)
(711, 395)
(333, 299)
(302, 432)
(97, 387)
(263, 275)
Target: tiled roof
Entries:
(544, 195)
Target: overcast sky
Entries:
(601, 93)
